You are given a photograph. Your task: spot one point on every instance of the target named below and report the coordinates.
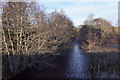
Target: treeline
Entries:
(98, 35)
(31, 36)
(28, 30)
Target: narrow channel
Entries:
(77, 63)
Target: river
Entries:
(92, 65)
(79, 64)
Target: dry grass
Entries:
(101, 49)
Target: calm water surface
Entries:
(79, 64)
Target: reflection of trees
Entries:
(97, 65)
(106, 63)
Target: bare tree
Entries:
(18, 32)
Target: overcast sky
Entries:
(78, 11)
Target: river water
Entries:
(79, 64)
(92, 65)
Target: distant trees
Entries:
(96, 31)
(59, 19)
(89, 20)
(62, 23)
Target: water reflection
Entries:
(92, 65)
(104, 65)
(77, 64)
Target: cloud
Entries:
(78, 11)
(78, 0)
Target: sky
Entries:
(78, 11)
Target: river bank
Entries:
(76, 63)
(57, 69)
